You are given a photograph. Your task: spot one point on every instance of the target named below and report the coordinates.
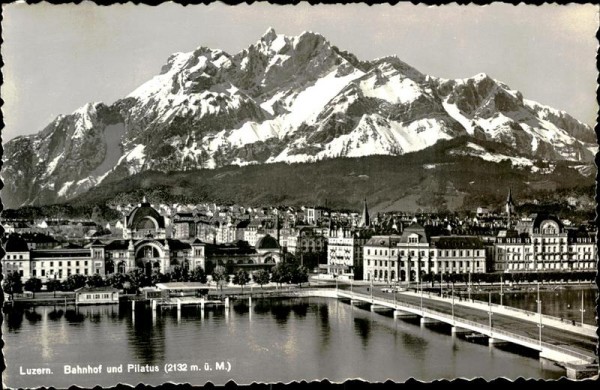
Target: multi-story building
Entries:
(413, 253)
(344, 252)
(458, 255)
(407, 257)
(380, 258)
(540, 242)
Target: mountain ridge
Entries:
(282, 99)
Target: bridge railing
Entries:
(484, 328)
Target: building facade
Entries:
(540, 243)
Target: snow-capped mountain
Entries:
(283, 99)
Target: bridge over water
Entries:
(570, 346)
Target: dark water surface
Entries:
(274, 340)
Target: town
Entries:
(195, 243)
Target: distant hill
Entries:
(435, 179)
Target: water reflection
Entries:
(14, 317)
(33, 316)
(74, 316)
(55, 315)
(300, 309)
(147, 339)
(281, 312)
(362, 326)
(286, 340)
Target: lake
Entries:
(275, 340)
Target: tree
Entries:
(300, 275)
(33, 284)
(261, 277)
(12, 284)
(74, 282)
(137, 278)
(94, 280)
(116, 280)
(53, 285)
(159, 277)
(279, 273)
(179, 274)
(198, 275)
(242, 278)
(220, 276)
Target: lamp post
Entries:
(441, 284)
(371, 290)
(582, 309)
(421, 285)
(453, 304)
(490, 311)
(539, 304)
(501, 293)
(469, 287)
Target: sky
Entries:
(60, 57)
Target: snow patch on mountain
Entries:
(84, 119)
(458, 116)
(396, 89)
(310, 102)
(481, 152)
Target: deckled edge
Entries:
(411, 383)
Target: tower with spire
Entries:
(365, 220)
(510, 206)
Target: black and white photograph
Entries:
(266, 193)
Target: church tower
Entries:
(510, 206)
(364, 219)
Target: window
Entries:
(43, 272)
(33, 273)
(51, 264)
(60, 263)
(85, 271)
(85, 263)
(69, 263)
(368, 251)
(20, 257)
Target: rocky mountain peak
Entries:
(282, 99)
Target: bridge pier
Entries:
(404, 314)
(494, 341)
(458, 330)
(427, 320)
(581, 371)
(379, 308)
(227, 303)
